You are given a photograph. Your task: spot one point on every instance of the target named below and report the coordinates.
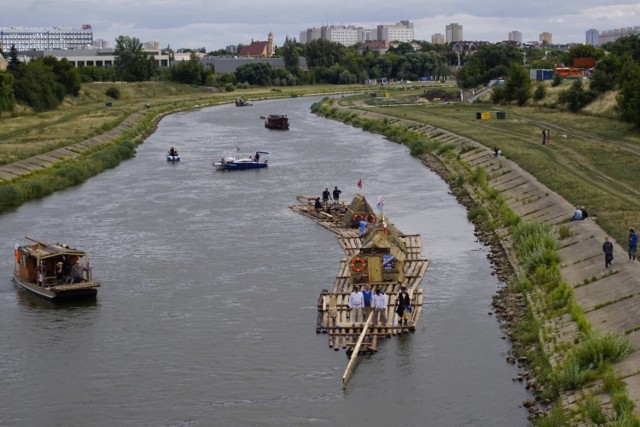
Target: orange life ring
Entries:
(371, 218)
(358, 217)
(358, 264)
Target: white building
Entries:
(350, 35)
(24, 38)
(400, 32)
(515, 36)
(609, 36)
(454, 33)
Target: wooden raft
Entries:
(333, 318)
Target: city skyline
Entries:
(195, 23)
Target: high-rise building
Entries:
(438, 38)
(515, 36)
(400, 32)
(24, 38)
(592, 37)
(609, 36)
(546, 38)
(350, 35)
(454, 33)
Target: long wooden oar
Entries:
(356, 350)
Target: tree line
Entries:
(43, 83)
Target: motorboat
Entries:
(173, 158)
(242, 161)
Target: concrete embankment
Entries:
(608, 296)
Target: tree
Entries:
(188, 72)
(37, 86)
(628, 100)
(323, 53)
(518, 87)
(7, 98)
(576, 98)
(255, 73)
(132, 63)
(14, 62)
(291, 56)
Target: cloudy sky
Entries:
(214, 24)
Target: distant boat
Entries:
(277, 121)
(53, 271)
(242, 162)
(172, 155)
(242, 103)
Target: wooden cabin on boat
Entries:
(277, 121)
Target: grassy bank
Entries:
(25, 134)
(535, 296)
(592, 166)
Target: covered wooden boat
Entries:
(382, 259)
(277, 121)
(242, 103)
(53, 271)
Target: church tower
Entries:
(270, 46)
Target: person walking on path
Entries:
(632, 244)
(607, 248)
(544, 136)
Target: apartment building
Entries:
(454, 33)
(25, 38)
(350, 35)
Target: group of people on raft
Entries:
(326, 197)
(362, 302)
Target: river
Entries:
(206, 314)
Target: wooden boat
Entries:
(277, 121)
(47, 270)
(383, 258)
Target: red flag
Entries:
(359, 183)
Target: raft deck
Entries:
(335, 321)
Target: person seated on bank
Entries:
(76, 272)
(577, 215)
(318, 205)
(585, 214)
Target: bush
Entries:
(229, 87)
(113, 92)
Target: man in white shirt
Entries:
(356, 302)
(379, 301)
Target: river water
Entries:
(207, 312)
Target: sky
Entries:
(215, 24)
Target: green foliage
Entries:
(132, 63)
(488, 62)
(37, 86)
(188, 72)
(597, 348)
(255, 73)
(518, 87)
(572, 376)
(593, 412)
(229, 87)
(557, 81)
(540, 92)
(628, 101)
(564, 231)
(576, 98)
(7, 98)
(113, 92)
(291, 52)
